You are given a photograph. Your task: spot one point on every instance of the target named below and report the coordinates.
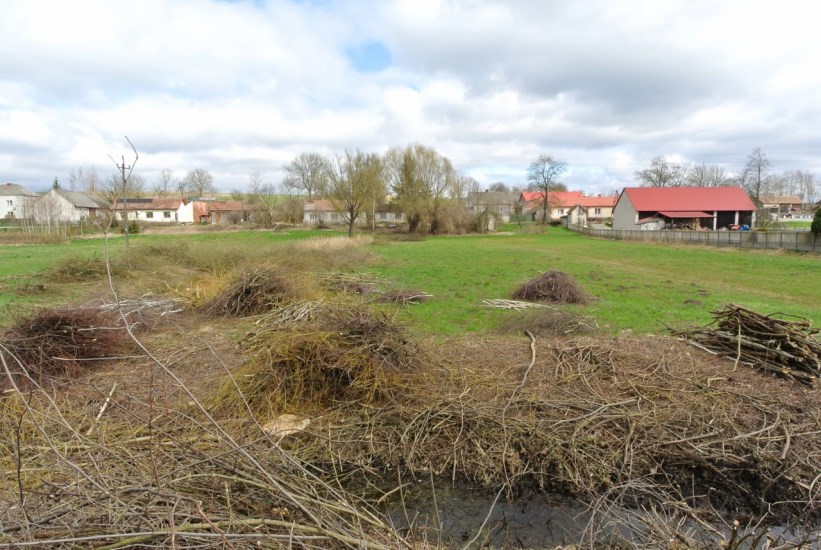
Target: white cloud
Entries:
(242, 86)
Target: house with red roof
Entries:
(578, 207)
(686, 207)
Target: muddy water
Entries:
(464, 516)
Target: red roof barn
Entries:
(696, 207)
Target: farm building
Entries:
(222, 212)
(693, 207)
(59, 206)
(16, 201)
(564, 203)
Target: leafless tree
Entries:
(802, 184)
(351, 184)
(165, 183)
(308, 173)
(255, 184)
(113, 188)
(543, 176)
(199, 182)
(661, 173)
(755, 177)
(80, 180)
(707, 175)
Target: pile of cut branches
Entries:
(552, 286)
(786, 348)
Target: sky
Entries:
(241, 86)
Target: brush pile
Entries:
(403, 297)
(552, 286)
(255, 291)
(58, 344)
(787, 348)
(339, 353)
(174, 480)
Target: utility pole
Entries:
(125, 171)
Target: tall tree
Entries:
(543, 176)
(661, 173)
(199, 182)
(756, 174)
(255, 185)
(707, 175)
(165, 183)
(308, 173)
(351, 183)
(410, 192)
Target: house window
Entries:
(166, 215)
(334, 216)
(383, 215)
(561, 211)
(122, 215)
(9, 202)
(312, 216)
(597, 210)
(149, 215)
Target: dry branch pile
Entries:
(786, 348)
(403, 297)
(177, 480)
(338, 353)
(552, 286)
(627, 422)
(257, 291)
(62, 343)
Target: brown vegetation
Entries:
(552, 286)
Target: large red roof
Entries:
(681, 199)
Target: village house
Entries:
(578, 207)
(223, 212)
(500, 204)
(686, 207)
(323, 212)
(59, 206)
(779, 206)
(16, 202)
(153, 210)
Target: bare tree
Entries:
(801, 184)
(543, 176)
(308, 172)
(351, 184)
(199, 182)
(255, 184)
(165, 183)
(756, 174)
(707, 175)
(661, 173)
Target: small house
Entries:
(500, 204)
(16, 202)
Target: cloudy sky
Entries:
(241, 86)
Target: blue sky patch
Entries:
(370, 57)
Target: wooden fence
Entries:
(774, 240)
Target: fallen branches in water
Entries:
(783, 347)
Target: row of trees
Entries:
(197, 182)
(756, 177)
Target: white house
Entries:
(59, 206)
(323, 212)
(16, 202)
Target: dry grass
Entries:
(548, 322)
(552, 286)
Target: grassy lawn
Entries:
(797, 224)
(638, 286)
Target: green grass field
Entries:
(636, 286)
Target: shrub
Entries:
(815, 227)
